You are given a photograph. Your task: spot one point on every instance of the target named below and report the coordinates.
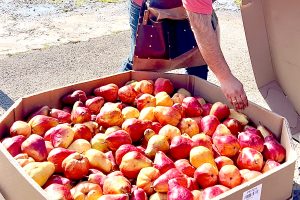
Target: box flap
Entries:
(272, 32)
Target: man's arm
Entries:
(208, 44)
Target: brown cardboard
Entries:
(13, 176)
(272, 32)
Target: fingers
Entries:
(240, 102)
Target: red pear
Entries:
(233, 125)
(97, 178)
(250, 159)
(82, 131)
(132, 162)
(58, 180)
(163, 85)
(13, 144)
(95, 104)
(122, 150)
(209, 124)
(220, 110)
(62, 116)
(227, 145)
(202, 140)
(35, 147)
(117, 138)
(57, 156)
(161, 183)
(44, 110)
(40, 124)
(180, 147)
(80, 115)
(213, 191)
(273, 150)
(77, 95)
(221, 130)
(178, 191)
(251, 129)
(167, 115)
(138, 193)
(75, 166)
(116, 185)
(229, 176)
(206, 109)
(127, 94)
(135, 128)
(109, 92)
(145, 100)
(249, 139)
(206, 175)
(192, 107)
(222, 161)
(270, 164)
(184, 166)
(162, 162)
(58, 191)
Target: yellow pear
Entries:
(80, 145)
(239, 116)
(40, 171)
(159, 196)
(163, 99)
(145, 179)
(98, 142)
(147, 114)
(169, 131)
(86, 191)
(98, 160)
(184, 92)
(112, 129)
(157, 143)
(93, 126)
(130, 112)
(200, 155)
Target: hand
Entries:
(234, 92)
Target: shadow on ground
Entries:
(296, 191)
(5, 101)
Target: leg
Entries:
(200, 71)
(134, 12)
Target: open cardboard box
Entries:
(15, 184)
(272, 32)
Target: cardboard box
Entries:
(14, 184)
(272, 32)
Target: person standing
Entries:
(201, 17)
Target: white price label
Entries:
(253, 193)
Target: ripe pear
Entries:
(161, 183)
(163, 99)
(145, 179)
(200, 155)
(116, 185)
(132, 162)
(158, 196)
(98, 143)
(40, 171)
(98, 160)
(157, 143)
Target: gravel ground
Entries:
(66, 60)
